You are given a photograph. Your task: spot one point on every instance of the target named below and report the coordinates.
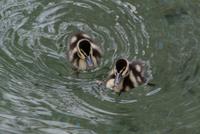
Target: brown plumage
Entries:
(83, 53)
(126, 75)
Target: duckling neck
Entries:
(82, 64)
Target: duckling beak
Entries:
(89, 61)
(117, 79)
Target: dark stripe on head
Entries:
(85, 46)
(120, 64)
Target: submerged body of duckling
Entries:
(83, 53)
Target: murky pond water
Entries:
(40, 94)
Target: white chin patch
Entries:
(138, 68)
(73, 39)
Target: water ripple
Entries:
(34, 38)
(40, 92)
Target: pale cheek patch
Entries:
(138, 68)
(73, 39)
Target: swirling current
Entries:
(40, 93)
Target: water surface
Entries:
(40, 94)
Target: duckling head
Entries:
(85, 52)
(121, 70)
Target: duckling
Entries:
(126, 75)
(83, 53)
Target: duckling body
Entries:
(83, 53)
(126, 75)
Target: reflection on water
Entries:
(41, 94)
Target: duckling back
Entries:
(136, 75)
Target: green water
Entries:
(40, 94)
